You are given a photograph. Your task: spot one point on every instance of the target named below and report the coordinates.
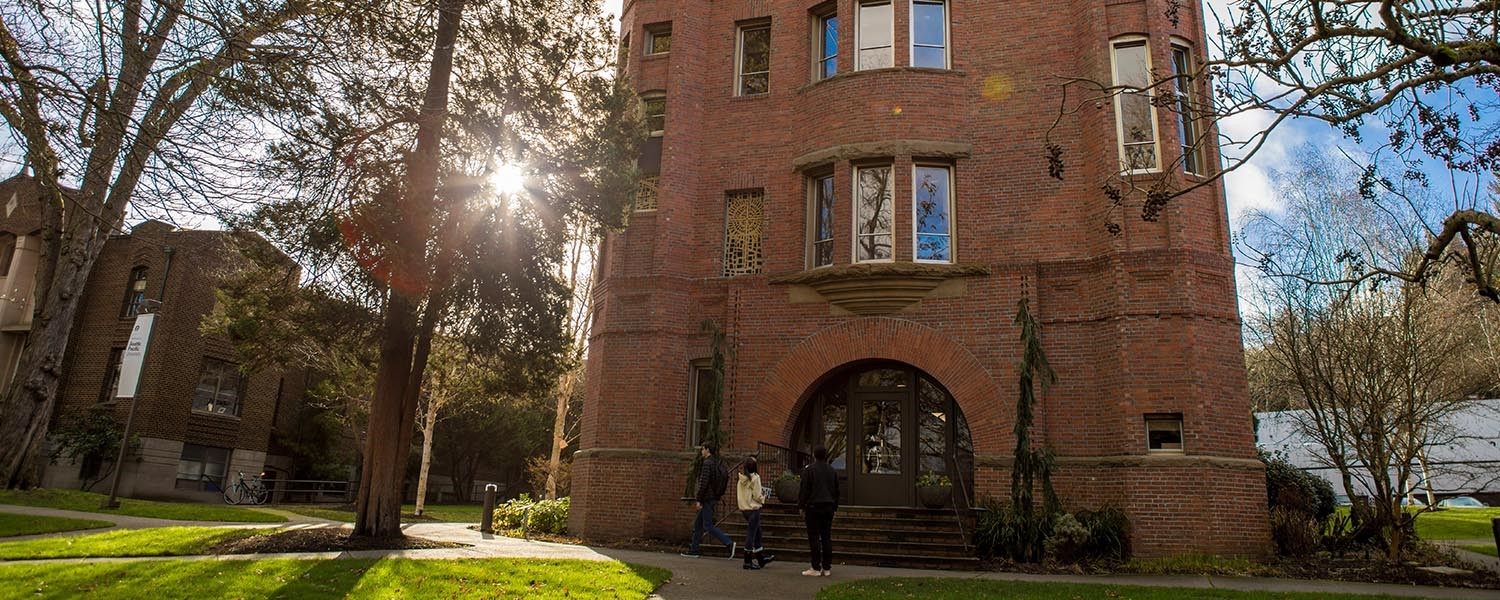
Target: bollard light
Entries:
(487, 517)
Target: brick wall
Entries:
(1138, 323)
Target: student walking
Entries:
(713, 481)
(819, 499)
(751, 497)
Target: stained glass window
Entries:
(932, 214)
(875, 215)
(743, 228)
(647, 192)
(822, 221)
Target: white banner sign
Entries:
(134, 355)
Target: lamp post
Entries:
(132, 361)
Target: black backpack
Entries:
(718, 480)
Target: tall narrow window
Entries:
(655, 109)
(219, 385)
(1187, 129)
(135, 293)
(821, 209)
(932, 204)
(111, 376)
(755, 60)
(744, 213)
(700, 404)
(1135, 117)
(827, 45)
(874, 35)
(7, 253)
(873, 214)
(658, 38)
(929, 34)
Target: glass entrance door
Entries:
(882, 476)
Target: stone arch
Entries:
(787, 386)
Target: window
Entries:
(655, 109)
(198, 463)
(821, 226)
(701, 403)
(658, 38)
(647, 193)
(1187, 130)
(932, 210)
(218, 388)
(873, 214)
(135, 293)
(744, 212)
(827, 46)
(111, 375)
(754, 75)
(929, 34)
(1135, 117)
(1164, 433)
(873, 33)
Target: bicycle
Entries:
(243, 491)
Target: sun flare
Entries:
(508, 179)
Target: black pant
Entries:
(820, 536)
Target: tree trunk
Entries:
(559, 423)
(392, 411)
(429, 421)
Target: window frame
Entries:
(652, 32)
(134, 299)
(952, 250)
(695, 388)
(911, 57)
(820, 19)
(729, 198)
(859, 46)
(854, 201)
(814, 190)
(739, 57)
(646, 100)
(202, 462)
(1157, 418)
(1183, 91)
(1131, 41)
(233, 370)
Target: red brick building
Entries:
(857, 194)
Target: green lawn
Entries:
(938, 589)
(1481, 548)
(162, 541)
(1457, 524)
(13, 524)
(313, 579)
(182, 511)
(452, 513)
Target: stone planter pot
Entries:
(787, 490)
(935, 496)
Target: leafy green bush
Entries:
(1007, 533)
(1292, 488)
(1109, 533)
(931, 479)
(1295, 532)
(788, 476)
(522, 514)
(1068, 539)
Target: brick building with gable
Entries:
(856, 193)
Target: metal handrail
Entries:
(962, 490)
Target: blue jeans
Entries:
(705, 521)
(752, 529)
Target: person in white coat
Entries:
(752, 497)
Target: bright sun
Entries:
(508, 179)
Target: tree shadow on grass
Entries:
(333, 578)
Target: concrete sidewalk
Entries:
(718, 578)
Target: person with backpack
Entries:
(713, 481)
(819, 499)
(751, 497)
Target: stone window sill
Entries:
(878, 288)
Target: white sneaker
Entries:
(812, 572)
(827, 573)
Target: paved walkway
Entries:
(717, 578)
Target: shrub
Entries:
(1295, 532)
(1004, 532)
(1290, 487)
(787, 476)
(522, 514)
(931, 479)
(1068, 539)
(1109, 533)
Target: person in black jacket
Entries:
(713, 478)
(819, 499)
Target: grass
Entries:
(1481, 548)
(938, 589)
(452, 513)
(13, 524)
(1457, 524)
(161, 541)
(315, 579)
(181, 511)
(1193, 563)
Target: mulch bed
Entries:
(328, 539)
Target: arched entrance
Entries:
(885, 424)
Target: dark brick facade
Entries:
(1139, 323)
